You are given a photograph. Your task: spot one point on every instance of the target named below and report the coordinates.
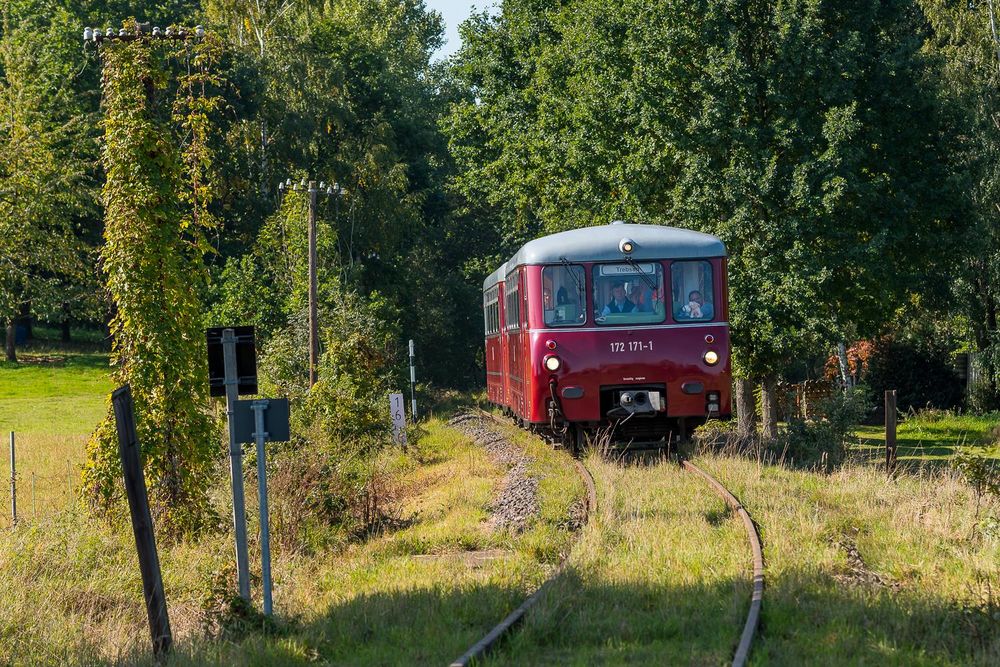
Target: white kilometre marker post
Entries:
(413, 384)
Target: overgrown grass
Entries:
(935, 436)
(927, 591)
(658, 577)
(416, 594)
(860, 570)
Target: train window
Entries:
(693, 293)
(512, 304)
(628, 293)
(491, 308)
(564, 295)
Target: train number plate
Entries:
(632, 346)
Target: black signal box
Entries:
(246, 361)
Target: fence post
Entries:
(142, 522)
(13, 481)
(890, 431)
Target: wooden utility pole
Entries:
(313, 289)
(890, 431)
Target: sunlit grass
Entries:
(418, 594)
(917, 532)
(935, 436)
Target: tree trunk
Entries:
(66, 335)
(746, 414)
(27, 321)
(11, 333)
(769, 409)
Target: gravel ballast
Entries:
(516, 503)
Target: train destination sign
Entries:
(626, 269)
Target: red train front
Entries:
(623, 324)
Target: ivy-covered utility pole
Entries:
(157, 161)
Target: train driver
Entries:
(619, 302)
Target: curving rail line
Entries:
(756, 599)
(480, 648)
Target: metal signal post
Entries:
(236, 465)
(413, 384)
(313, 289)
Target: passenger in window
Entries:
(641, 298)
(657, 301)
(696, 308)
(562, 296)
(619, 302)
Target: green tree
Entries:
(966, 46)
(45, 184)
(799, 132)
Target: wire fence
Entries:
(43, 483)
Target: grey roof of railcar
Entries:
(495, 277)
(600, 244)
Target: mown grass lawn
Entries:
(935, 436)
(51, 399)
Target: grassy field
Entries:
(863, 570)
(860, 569)
(659, 577)
(52, 399)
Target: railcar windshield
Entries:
(564, 295)
(629, 293)
(692, 292)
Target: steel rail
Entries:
(756, 599)
(483, 646)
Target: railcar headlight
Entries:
(711, 358)
(626, 245)
(552, 363)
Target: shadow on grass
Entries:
(809, 618)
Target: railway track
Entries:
(757, 597)
(498, 632)
(483, 646)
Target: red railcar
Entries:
(622, 324)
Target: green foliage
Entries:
(360, 363)
(801, 133)
(155, 226)
(825, 441)
(965, 50)
(331, 477)
(981, 473)
(45, 182)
